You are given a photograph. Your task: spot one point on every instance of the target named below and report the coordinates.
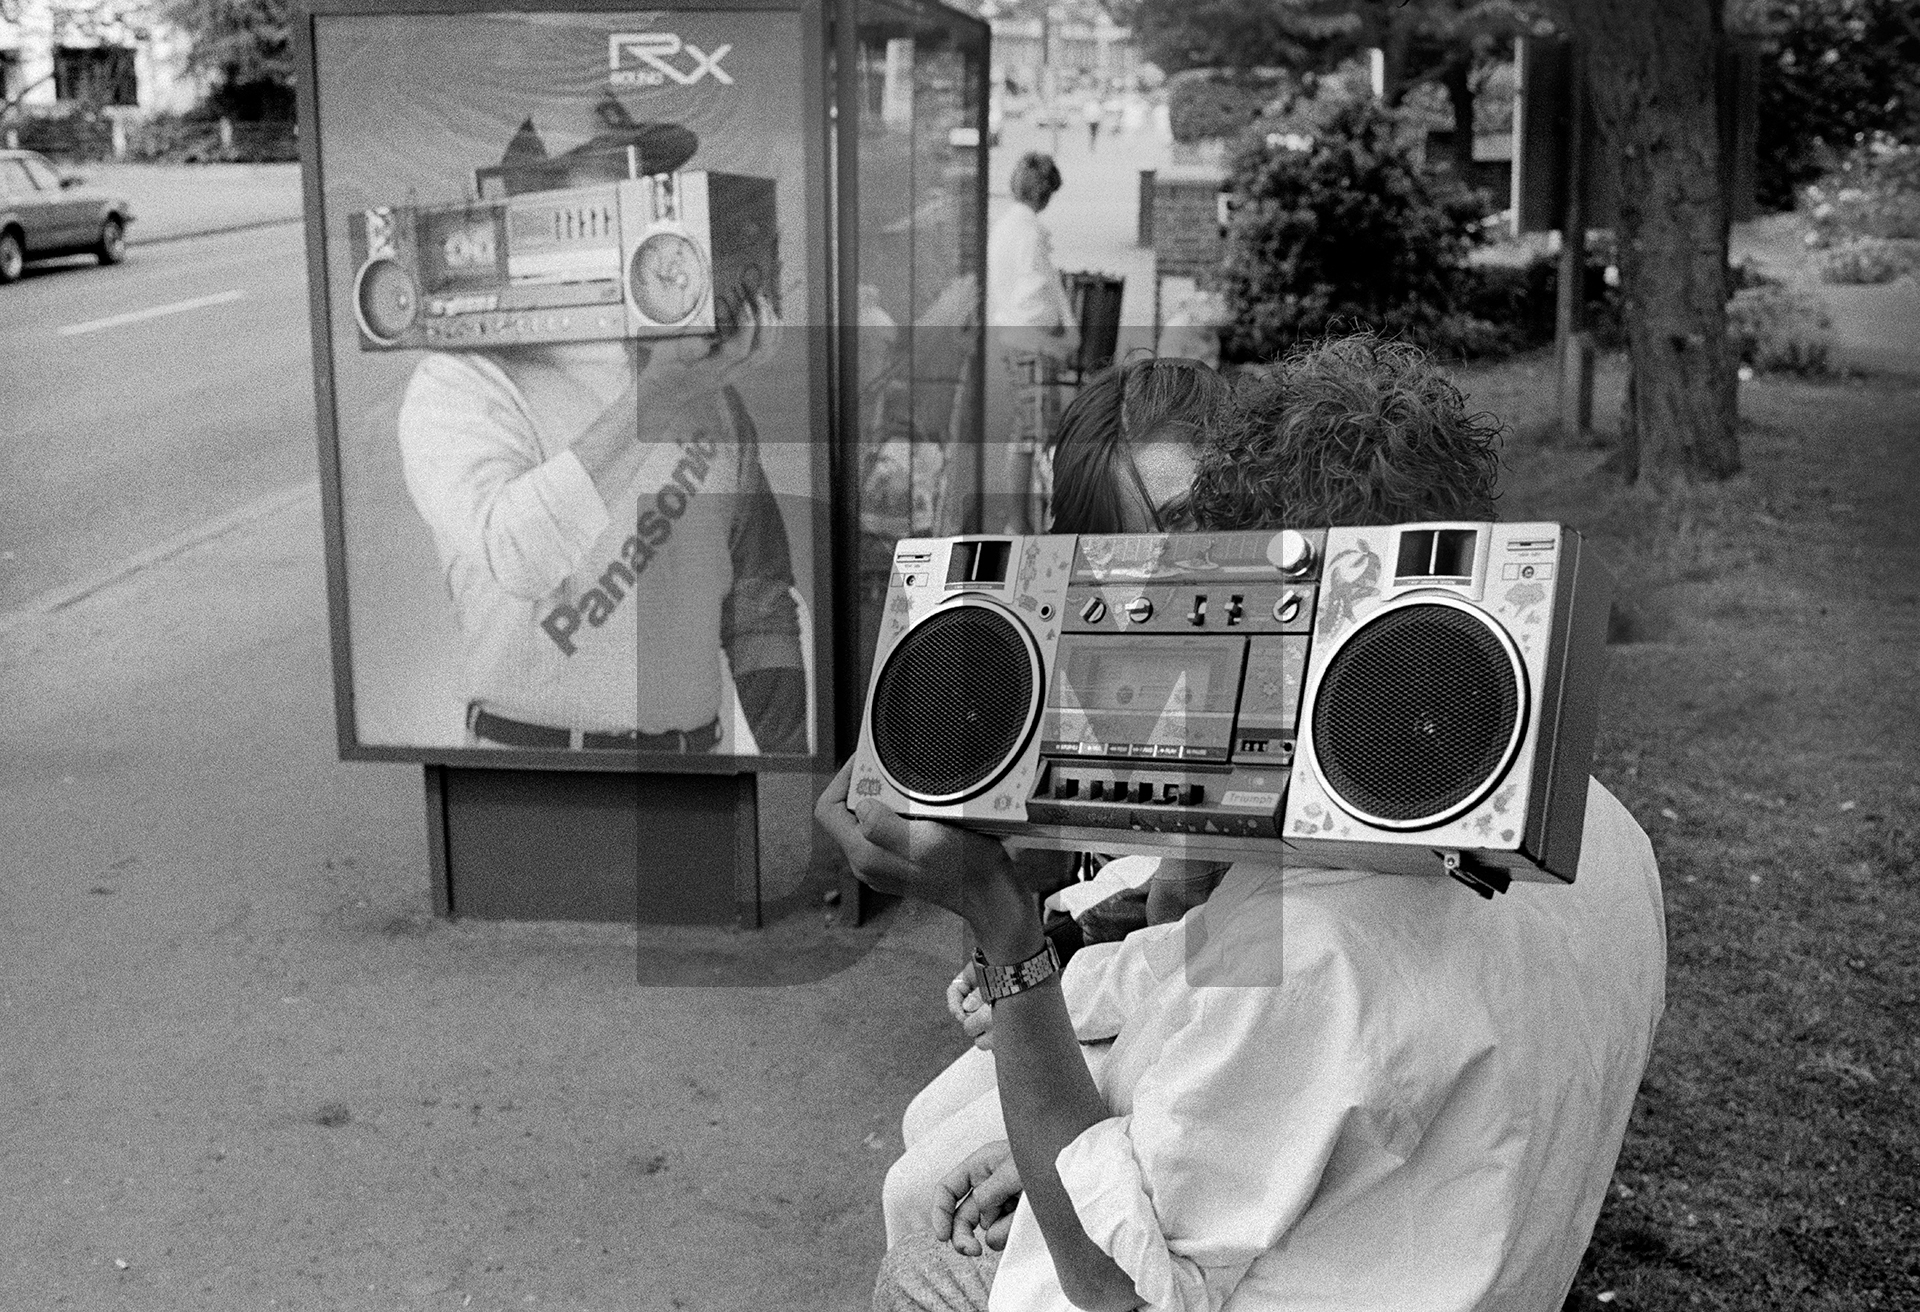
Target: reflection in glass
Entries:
(918, 100)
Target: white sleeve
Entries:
(472, 463)
(1104, 982)
(1227, 1137)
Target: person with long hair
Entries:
(1124, 459)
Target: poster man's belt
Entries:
(518, 733)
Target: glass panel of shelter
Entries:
(921, 295)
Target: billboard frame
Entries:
(823, 418)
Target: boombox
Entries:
(674, 254)
(1415, 698)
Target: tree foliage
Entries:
(247, 48)
(1348, 233)
(1420, 37)
(1833, 72)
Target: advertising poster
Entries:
(573, 393)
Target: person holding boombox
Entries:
(1393, 1095)
(1124, 458)
(607, 530)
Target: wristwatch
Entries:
(997, 982)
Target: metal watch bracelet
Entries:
(997, 982)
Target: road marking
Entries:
(60, 598)
(152, 312)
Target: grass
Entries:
(1762, 722)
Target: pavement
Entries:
(243, 1066)
(171, 201)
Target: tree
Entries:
(1831, 71)
(1421, 41)
(1651, 73)
(247, 46)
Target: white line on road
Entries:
(152, 312)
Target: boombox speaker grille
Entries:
(1417, 714)
(954, 703)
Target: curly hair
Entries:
(1151, 399)
(1352, 431)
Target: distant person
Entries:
(1095, 113)
(1032, 325)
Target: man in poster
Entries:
(605, 525)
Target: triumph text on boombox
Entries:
(1417, 697)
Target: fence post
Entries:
(119, 137)
(226, 136)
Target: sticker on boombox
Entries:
(672, 254)
(1411, 698)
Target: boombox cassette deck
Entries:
(1413, 698)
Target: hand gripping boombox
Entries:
(1415, 698)
(667, 255)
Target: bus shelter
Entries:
(639, 336)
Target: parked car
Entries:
(44, 213)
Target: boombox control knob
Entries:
(1293, 553)
(1287, 609)
(1140, 610)
(1094, 611)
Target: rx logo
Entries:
(658, 55)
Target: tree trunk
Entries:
(1457, 77)
(1395, 44)
(1651, 74)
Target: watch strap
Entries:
(998, 982)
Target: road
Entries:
(137, 402)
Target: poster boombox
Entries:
(1414, 698)
(667, 255)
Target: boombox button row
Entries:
(1139, 790)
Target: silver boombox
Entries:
(667, 255)
(1413, 698)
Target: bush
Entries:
(1868, 261)
(1778, 330)
(1523, 299)
(1343, 234)
(1831, 73)
(66, 134)
(1874, 193)
(194, 138)
(1211, 104)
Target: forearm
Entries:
(1047, 1099)
(610, 449)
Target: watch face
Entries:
(668, 278)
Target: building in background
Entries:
(1084, 46)
(94, 59)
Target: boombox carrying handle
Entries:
(1482, 878)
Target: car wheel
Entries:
(13, 257)
(113, 241)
